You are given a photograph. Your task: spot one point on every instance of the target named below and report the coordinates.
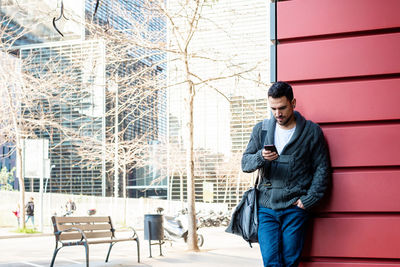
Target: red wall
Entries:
(343, 60)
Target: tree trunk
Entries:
(192, 231)
(18, 142)
(21, 184)
(170, 182)
(124, 191)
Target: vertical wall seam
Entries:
(274, 41)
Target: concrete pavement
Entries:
(10, 232)
(219, 249)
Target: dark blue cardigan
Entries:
(302, 170)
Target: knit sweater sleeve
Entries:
(252, 157)
(321, 174)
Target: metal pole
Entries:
(47, 178)
(116, 168)
(41, 188)
(41, 204)
(103, 125)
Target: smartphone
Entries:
(271, 148)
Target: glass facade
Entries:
(89, 58)
(144, 118)
(78, 106)
(246, 113)
(229, 60)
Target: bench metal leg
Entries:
(87, 254)
(112, 244)
(138, 250)
(109, 250)
(54, 255)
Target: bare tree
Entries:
(35, 87)
(26, 101)
(11, 114)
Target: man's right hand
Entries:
(268, 155)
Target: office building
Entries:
(85, 57)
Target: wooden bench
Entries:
(75, 231)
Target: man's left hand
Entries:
(299, 204)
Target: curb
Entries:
(24, 235)
(17, 235)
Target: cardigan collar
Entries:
(270, 124)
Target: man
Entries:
(30, 211)
(294, 178)
(70, 207)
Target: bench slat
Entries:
(85, 227)
(110, 240)
(76, 235)
(61, 220)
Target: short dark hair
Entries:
(280, 89)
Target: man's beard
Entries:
(284, 122)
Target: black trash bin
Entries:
(154, 229)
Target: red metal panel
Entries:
(341, 57)
(348, 264)
(349, 101)
(364, 191)
(322, 41)
(359, 237)
(299, 18)
(370, 145)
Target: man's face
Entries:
(282, 109)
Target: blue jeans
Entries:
(32, 219)
(281, 235)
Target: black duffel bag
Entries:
(244, 221)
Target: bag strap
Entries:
(257, 179)
(263, 135)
